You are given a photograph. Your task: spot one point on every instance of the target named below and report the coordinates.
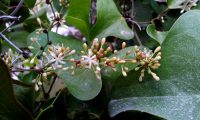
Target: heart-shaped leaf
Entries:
(176, 95)
(156, 35)
(109, 21)
(10, 107)
(83, 84)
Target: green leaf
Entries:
(30, 3)
(174, 4)
(25, 94)
(156, 35)
(30, 23)
(55, 39)
(6, 1)
(18, 38)
(83, 84)
(108, 73)
(78, 15)
(109, 21)
(10, 107)
(176, 95)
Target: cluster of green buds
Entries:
(148, 60)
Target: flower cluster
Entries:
(57, 55)
(94, 57)
(148, 60)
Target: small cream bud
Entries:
(157, 49)
(140, 79)
(103, 41)
(72, 52)
(39, 83)
(98, 68)
(39, 20)
(123, 45)
(142, 63)
(182, 11)
(108, 49)
(36, 87)
(44, 54)
(155, 76)
(25, 61)
(126, 68)
(59, 66)
(159, 54)
(65, 68)
(44, 74)
(115, 51)
(31, 47)
(95, 41)
(137, 68)
(32, 60)
(157, 58)
(49, 68)
(85, 46)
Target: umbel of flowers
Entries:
(94, 57)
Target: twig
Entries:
(23, 70)
(12, 44)
(134, 22)
(9, 17)
(137, 36)
(50, 106)
(53, 11)
(17, 8)
(54, 79)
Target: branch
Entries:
(17, 8)
(50, 106)
(12, 44)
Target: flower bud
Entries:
(103, 41)
(123, 45)
(85, 46)
(157, 49)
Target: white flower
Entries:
(89, 60)
(57, 55)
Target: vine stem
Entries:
(17, 8)
(7, 40)
(54, 79)
(50, 106)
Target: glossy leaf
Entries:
(10, 107)
(83, 84)
(78, 15)
(55, 39)
(156, 35)
(174, 4)
(25, 94)
(176, 95)
(109, 21)
(30, 3)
